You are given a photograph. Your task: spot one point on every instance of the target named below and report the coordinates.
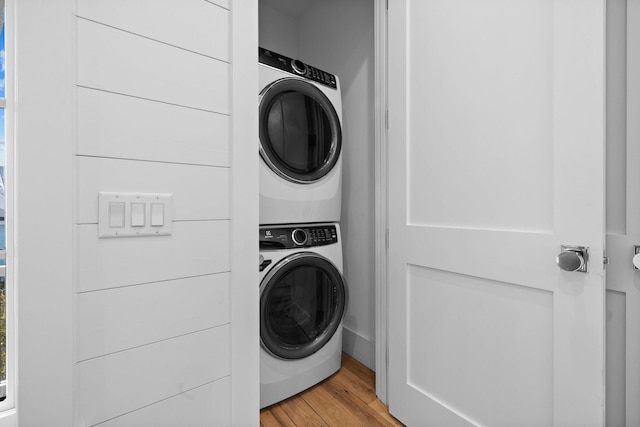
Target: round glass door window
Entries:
(300, 134)
(302, 301)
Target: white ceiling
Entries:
(293, 8)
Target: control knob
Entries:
(299, 236)
(299, 67)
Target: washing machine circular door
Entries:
(300, 133)
(302, 301)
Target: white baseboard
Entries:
(360, 348)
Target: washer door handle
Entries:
(263, 263)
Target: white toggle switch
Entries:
(157, 214)
(116, 214)
(137, 214)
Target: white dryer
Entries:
(300, 122)
(303, 298)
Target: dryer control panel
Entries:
(297, 237)
(297, 67)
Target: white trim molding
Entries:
(359, 347)
(42, 212)
(245, 356)
(381, 229)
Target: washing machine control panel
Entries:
(297, 67)
(297, 237)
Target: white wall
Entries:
(338, 36)
(137, 97)
(278, 31)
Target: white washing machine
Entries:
(303, 298)
(300, 113)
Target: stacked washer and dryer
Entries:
(303, 295)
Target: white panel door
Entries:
(496, 141)
(623, 212)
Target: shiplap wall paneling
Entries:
(158, 19)
(152, 116)
(122, 318)
(204, 406)
(117, 61)
(122, 382)
(221, 3)
(195, 248)
(112, 125)
(199, 192)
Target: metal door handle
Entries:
(573, 258)
(636, 258)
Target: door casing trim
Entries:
(380, 194)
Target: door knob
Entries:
(636, 258)
(573, 258)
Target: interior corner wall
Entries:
(338, 37)
(277, 31)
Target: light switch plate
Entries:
(134, 224)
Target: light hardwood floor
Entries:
(347, 398)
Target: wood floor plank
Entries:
(281, 416)
(346, 398)
(383, 411)
(359, 369)
(268, 420)
(301, 413)
(332, 410)
(360, 410)
(356, 385)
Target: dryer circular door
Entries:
(302, 301)
(300, 134)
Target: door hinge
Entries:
(605, 260)
(386, 119)
(387, 4)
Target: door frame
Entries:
(245, 388)
(381, 194)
